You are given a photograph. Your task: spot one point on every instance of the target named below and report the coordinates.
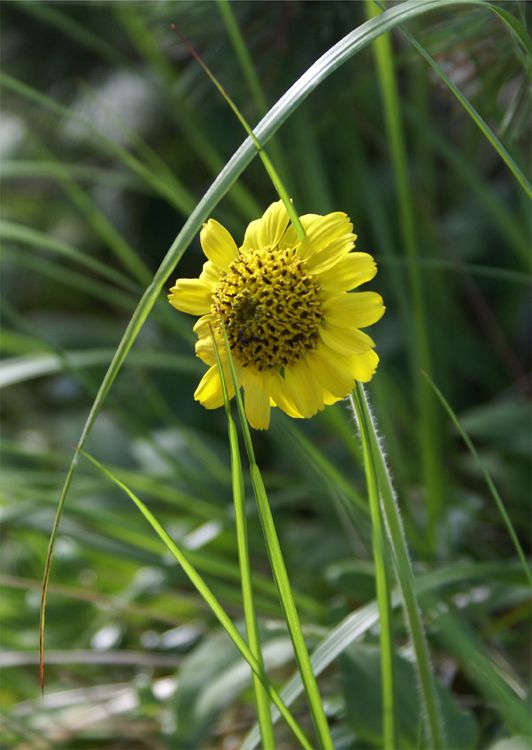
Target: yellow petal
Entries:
(329, 399)
(279, 395)
(218, 245)
(203, 326)
(290, 238)
(362, 366)
(324, 230)
(345, 341)
(333, 252)
(356, 310)
(303, 389)
(348, 273)
(205, 350)
(267, 231)
(209, 391)
(330, 371)
(210, 273)
(257, 400)
(192, 296)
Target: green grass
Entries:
(402, 555)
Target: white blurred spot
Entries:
(12, 133)
(107, 637)
(182, 636)
(164, 688)
(202, 535)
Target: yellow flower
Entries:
(292, 327)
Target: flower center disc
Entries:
(270, 306)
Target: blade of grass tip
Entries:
(209, 597)
(487, 477)
(382, 575)
(281, 576)
(250, 615)
(276, 180)
(484, 127)
(342, 51)
(405, 577)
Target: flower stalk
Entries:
(281, 576)
(382, 576)
(250, 615)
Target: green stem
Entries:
(250, 615)
(382, 579)
(405, 577)
(281, 577)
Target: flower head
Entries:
(292, 326)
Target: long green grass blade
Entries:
(489, 482)
(481, 669)
(420, 354)
(148, 45)
(252, 629)
(382, 577)
(211, 600)
(270, 169)
(101, 224)
(496, 210)
(33, 237)
(521, 34)
(406, 582)
(242, 54)
(75, 31)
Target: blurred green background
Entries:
(110, 135)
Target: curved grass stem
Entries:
(382, 578)
(405, 576)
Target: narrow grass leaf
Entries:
(489, 482)
(211, 600)
(382, 576)
(420, 353)
(176, 197)
(356, 624)
(33, 237)
(405, 577)
(250, 615)
(520, 32)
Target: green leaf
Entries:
(362, 691)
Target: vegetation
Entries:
(114, 143)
